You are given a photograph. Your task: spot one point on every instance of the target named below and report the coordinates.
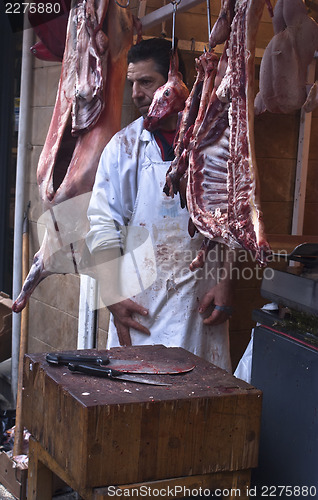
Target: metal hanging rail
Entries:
(165, 12)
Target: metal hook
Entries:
(123, 6)
(175, 3)
(209, 16)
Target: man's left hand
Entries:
(221, 297)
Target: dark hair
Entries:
(159, 50)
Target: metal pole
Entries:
(87, 313)
(208, 16)
(159, 15)
(174, 4)
(22, 158)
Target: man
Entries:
(178, 308)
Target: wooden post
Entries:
(302, 163)
(18, 434)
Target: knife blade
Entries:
(99, 371)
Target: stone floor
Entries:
(4, 494)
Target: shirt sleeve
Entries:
(105, 212)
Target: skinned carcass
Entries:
(220, 172)
(51, 30)
(192, 116)
(284, 66)
(222, 28)
(86, 115)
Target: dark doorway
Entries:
(10, 64)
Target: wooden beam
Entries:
(160, 15)
(197, 46)
(302, 163)
(142, 8)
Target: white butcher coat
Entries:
(128, 199)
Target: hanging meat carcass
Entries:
(169, 98)
(222, 188)
(284, 66)
(192, 116)
(86, 115)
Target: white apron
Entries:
(173, 298)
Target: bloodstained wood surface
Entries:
(106, 432)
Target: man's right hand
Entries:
(123, 318)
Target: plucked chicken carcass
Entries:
(86, 115)
(283, 71)
(217, 163)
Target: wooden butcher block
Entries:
(106, 432)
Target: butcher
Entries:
(139, 237)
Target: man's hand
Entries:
(219, 295)
(123, 312)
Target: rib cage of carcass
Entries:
(215, 154)
(86, 115)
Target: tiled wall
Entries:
(54, 304)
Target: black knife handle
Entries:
(65, 359)
(98, 371)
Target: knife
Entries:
(64, 359)
(157, 367)
(112, 374)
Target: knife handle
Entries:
(65, 359)
(98, 371)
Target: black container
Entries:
(285, 368)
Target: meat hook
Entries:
(175, 3)
(208, 16)
(123, 6)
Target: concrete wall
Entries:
(54, 304)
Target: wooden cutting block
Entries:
(106, 432)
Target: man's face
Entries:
(145, 80)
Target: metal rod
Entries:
(22, 162)
(208, 16)
(174, 3)
(156, 17)
(86, 314)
